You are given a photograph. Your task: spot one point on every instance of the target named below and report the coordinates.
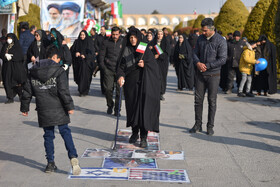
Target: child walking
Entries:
(246, 65)
(49, 84)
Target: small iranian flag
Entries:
(141, 47)
(108, 33)
(158, 49)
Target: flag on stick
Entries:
(158, 49)
(141, 47)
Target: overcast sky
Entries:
(174, 6)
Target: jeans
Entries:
(65, 133)
(248, 79)
(203, 83)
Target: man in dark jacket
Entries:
(209, 55)
(98, 44)
(48, 83)
(25, 38)
(108, 58)
(235, 49)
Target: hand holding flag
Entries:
(158, 49)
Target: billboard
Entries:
(65, 16)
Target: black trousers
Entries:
(110, 84)
(232, 71)
(211, 84)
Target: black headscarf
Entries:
(14, 48)
(82, 45)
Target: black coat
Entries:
(267, 79)
(83, 68)
(235, 50)
(13, 71)
(213, 53)
(141, 88)
(184, 67)
(48, 84)
(109, 54)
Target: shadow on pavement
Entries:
(262, 135)
(263, 101)
(173, 126)
(237, 141)
(25, 161)
(273, 126)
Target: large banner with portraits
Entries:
(65, 16)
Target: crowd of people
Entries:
(37, 64)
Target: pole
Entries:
(118, 116)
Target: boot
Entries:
(143, 143)
(196, 128)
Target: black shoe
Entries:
(250, 95)
(133, 138)
(210, 131)
(116, 114)
(162, 98)
(109, 110)
(240, 94)
(195, 128)
(143, 143)
(51, 167)
(9, 101)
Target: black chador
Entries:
(38, 47)
(13, 70)
(183, 64)
(141, 87)
(83, 67)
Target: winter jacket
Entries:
(109, 53)
(235, 50)
(212, 52)
(48, 83)
(25, 40)
(247, 60)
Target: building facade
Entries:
(158, 21)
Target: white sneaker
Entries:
(76, 170)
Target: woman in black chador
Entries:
(83, 54)
(162, 60)
(139, 74)
(266, 80)
(183, 64)
(13, 70)
(37, 49)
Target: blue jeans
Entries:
(65, 133)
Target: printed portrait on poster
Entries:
(65, 16)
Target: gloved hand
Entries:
(65, 67)
(8, 56)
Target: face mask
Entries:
(9, 41)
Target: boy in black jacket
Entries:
(49, 84)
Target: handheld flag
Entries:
(158, 49)
(108, 33)
(141, 47)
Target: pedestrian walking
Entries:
(108, 58)
(13, 70)
(209, 55)
(246, 66)
(83, 55)
(183, 63)
(139, 75)
(48, 83)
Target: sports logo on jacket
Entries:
(44, 86)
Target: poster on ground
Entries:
(168, 155)
(107, 153)
(159, 175)
(129, 163)
(102, 173)
(64, 15)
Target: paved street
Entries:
(244, 151)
